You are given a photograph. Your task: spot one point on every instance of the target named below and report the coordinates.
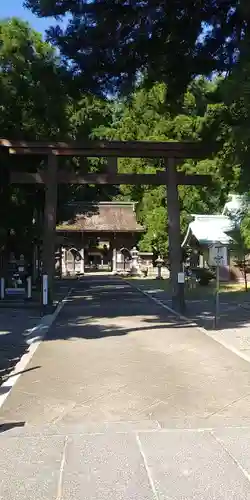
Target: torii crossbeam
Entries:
(171, 152)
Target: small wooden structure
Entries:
(205, 231)
(170, 152)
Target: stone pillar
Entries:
(174, 235)
(50, 223)
(82, 261)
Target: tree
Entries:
(240, 235)
(227, 121)
(240, 247)
(114, 43)
(146, 116)
(88, 118)
(32, 96)
(33, 106)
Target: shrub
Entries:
(203, 275)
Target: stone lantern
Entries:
(159, 262)
(135, 262)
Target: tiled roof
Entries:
(101, 217)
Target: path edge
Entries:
(34, 337)
(192, 323)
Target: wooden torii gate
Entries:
(171, 153)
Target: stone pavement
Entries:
(234, 325)
(14, 322)
(124, 401)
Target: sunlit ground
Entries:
(210, 289)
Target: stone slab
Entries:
(101, 468)
(30, 468)
(237, 443)
(192, 466)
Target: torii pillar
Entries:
(49, 234)
(174, 235)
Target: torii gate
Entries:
(171, 152)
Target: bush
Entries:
(203, 275)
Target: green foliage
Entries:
(32, 102)
(35, 106)
(245, 230)
(112, 42)
(228, 120)
(32, 94)
(203, 275)
(240, 235)
(146, 116)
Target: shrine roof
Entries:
(208, 229)
(104, 216)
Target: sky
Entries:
(10, 8)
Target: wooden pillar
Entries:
(174, 235)
(50, 222)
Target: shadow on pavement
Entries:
(14, 325)
(9, 426)
(24, 371)
(200, 305)
(92, 311)
(12, 342)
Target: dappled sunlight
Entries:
(112, 320)
(200, 302)
(154, 290)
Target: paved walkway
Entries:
(122, 401)
(234, 325)
(13, 323)
(15, 320)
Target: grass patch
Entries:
(233, 290)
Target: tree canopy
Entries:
(36, 106)
(111, 44)
(146, 117)
(32, 94)
(33, 104)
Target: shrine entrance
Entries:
(99, 231)
(170, 154)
